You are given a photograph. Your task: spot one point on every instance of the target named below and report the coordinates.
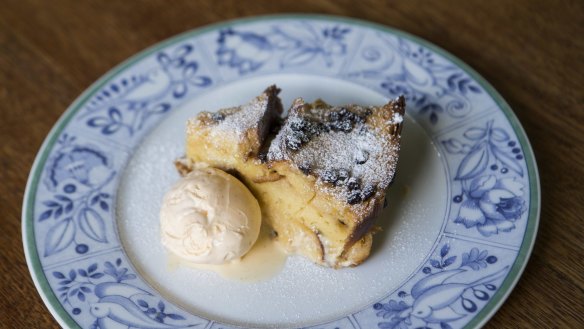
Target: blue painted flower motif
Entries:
(434, 88)
(158, 311)
(79, 163)
(439, 298)
(246, 51)
(431, 88)
(126, 105)
(303, 43)
(295, 43)
(492, 205)
(182, 72)
(81, 172)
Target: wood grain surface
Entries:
(532, 52)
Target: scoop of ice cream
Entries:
(209, 217)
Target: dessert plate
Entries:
(456, 237)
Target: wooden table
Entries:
(531, 51)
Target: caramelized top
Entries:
(352, 150)
(250, 122)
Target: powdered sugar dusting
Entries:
(409, 226)
(249, 123)
(244, 117)
(397, 118)
(339, 150)
(364, 152)
(235, 120)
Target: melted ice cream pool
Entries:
(265, 260)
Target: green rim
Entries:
(29, 241)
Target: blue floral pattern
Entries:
(107, 295)
(245, 51)
(296, 45)
(440, 297)
(490, 203)
(126, 105)
(432, 87)
(73, 216)
(77, 174)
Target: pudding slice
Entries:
(320, 177)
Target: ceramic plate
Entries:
(463, 211)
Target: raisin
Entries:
(353, 184)
(293, 142)
(354, 197)
(343, 176)
(350, 116)
(298, 125)
(346, 126)
(341, 125)
(218, 117)
(303, 131)
(312, 129)
(330, 176)
(305, 168)
(322, 128)
(368, 192)
(334, 116)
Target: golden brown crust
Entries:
(365, 225)
(183, 166)
(313, 215)
(358, 252)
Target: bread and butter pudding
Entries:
(319, 177)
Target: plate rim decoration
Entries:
(530, 214)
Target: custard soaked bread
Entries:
(320, 181)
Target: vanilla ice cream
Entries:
(209, 217)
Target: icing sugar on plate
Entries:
(408, 224)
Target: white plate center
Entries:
(303, 293)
